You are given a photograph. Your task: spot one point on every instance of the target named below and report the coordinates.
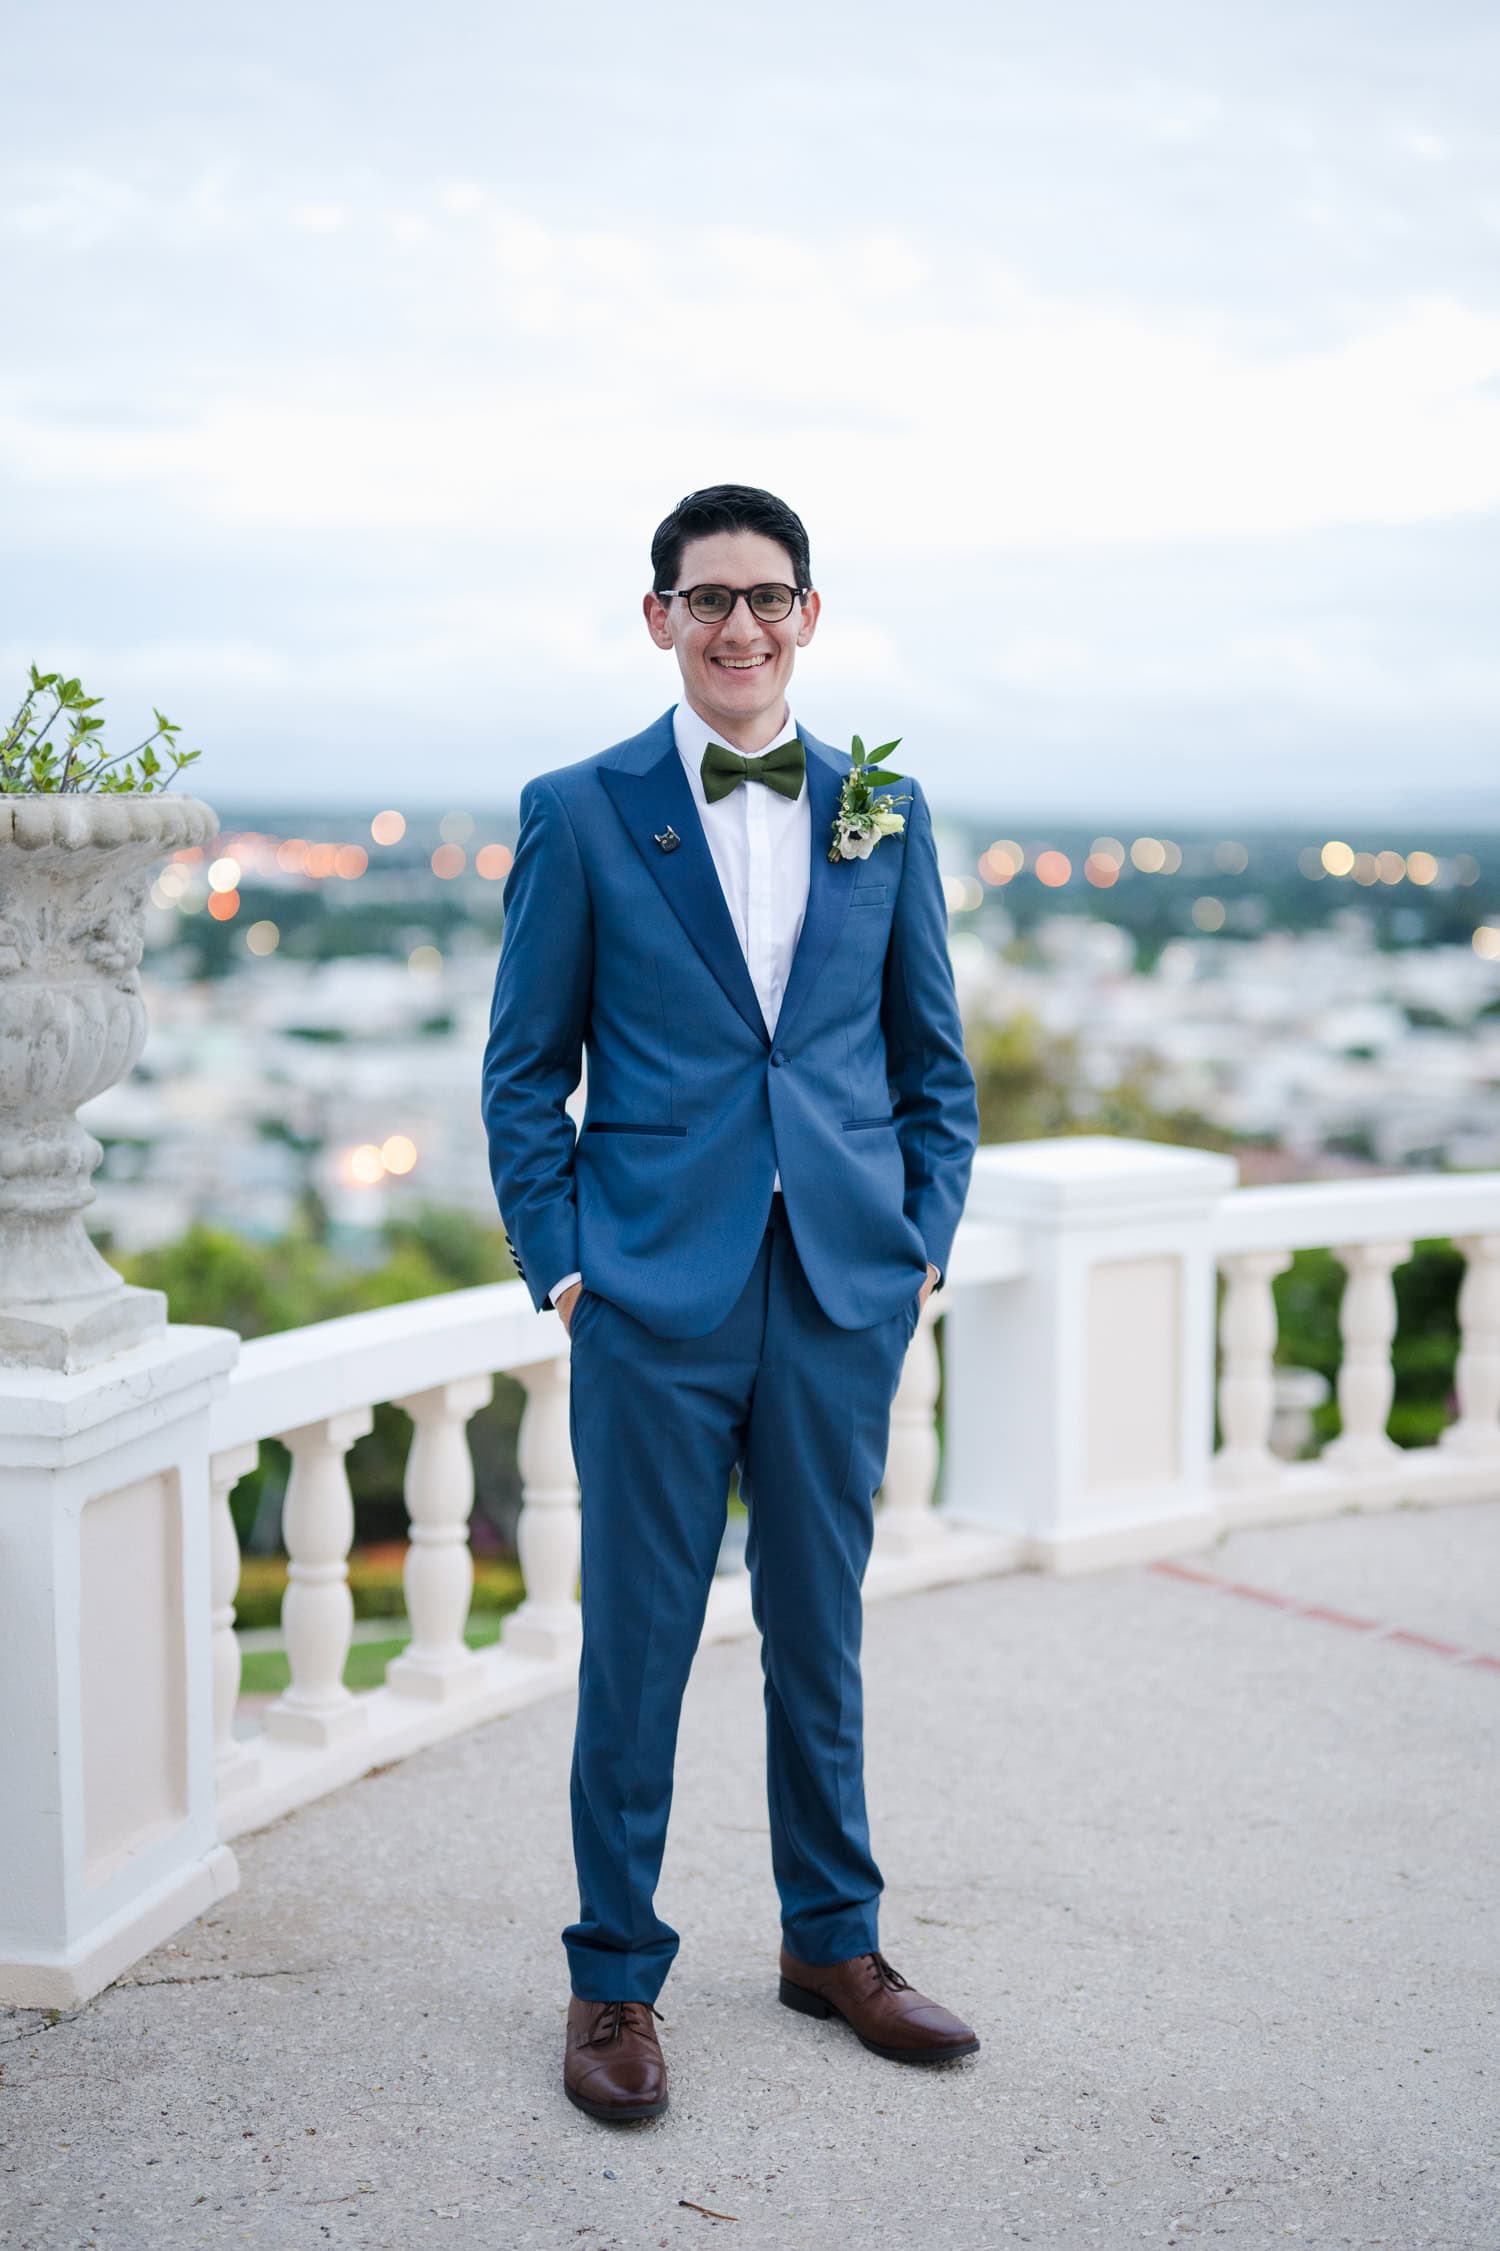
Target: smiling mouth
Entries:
(740, 664)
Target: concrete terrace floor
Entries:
(1215, 1878)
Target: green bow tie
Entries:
(780, 769)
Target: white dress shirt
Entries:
(761, 844)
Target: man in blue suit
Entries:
(776, 1147)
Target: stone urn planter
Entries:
(74, 870)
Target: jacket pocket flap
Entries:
(614, 1125)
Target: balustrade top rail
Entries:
(306, 1375)
(1314, 1214)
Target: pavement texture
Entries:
(1214, 1876)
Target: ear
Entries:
(656, 616)
(811, 607)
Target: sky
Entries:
(1136, 372)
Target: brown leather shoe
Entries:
(889, 2015)
(613, 2066)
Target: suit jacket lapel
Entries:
(650, 801)
(830, 884)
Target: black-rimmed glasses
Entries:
(710, 605)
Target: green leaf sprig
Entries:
(32, 764)
(857, 807)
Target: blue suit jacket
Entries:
(864, 1097)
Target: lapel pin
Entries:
(670, 840)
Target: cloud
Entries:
(320, 218)
(75, 208)
(1428, 148)
(1137, 373)
(1027, 417)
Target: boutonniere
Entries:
(862, 819)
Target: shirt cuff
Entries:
(557, 1288)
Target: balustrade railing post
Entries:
(438, 1664)
(1079, 1397)
(317, 1611)
(1247, 1396)
(236, 1765)
(548, 1623)
(1476, 1432)
(109, 1828)
(1367, 1380)
(906, 1522)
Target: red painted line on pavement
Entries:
(1454, 1652)
(1341, 1618)
(1425, 1641)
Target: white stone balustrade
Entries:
(317, 1611)
(236, 1765)
(438, 1575)
(1247, 1392)
(110, 1831)
(1476, 1432)
(547, 1541)
(1079, 1414)
(1370, 1226)
(1078, 1370)
(1367, 1383)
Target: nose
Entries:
(741, 623)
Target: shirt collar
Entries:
(694, 734)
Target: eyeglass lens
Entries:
(770, 604)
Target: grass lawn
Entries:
(265, 1672)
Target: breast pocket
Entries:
(870, 895)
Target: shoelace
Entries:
(886, 1975)
(614, 2022)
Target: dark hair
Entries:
(728, 508)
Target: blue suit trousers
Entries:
(802, 1406)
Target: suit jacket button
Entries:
(777, 1056)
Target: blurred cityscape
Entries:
(319, 1002)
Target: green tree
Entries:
(1032, 1086)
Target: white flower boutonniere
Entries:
(863, 819)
